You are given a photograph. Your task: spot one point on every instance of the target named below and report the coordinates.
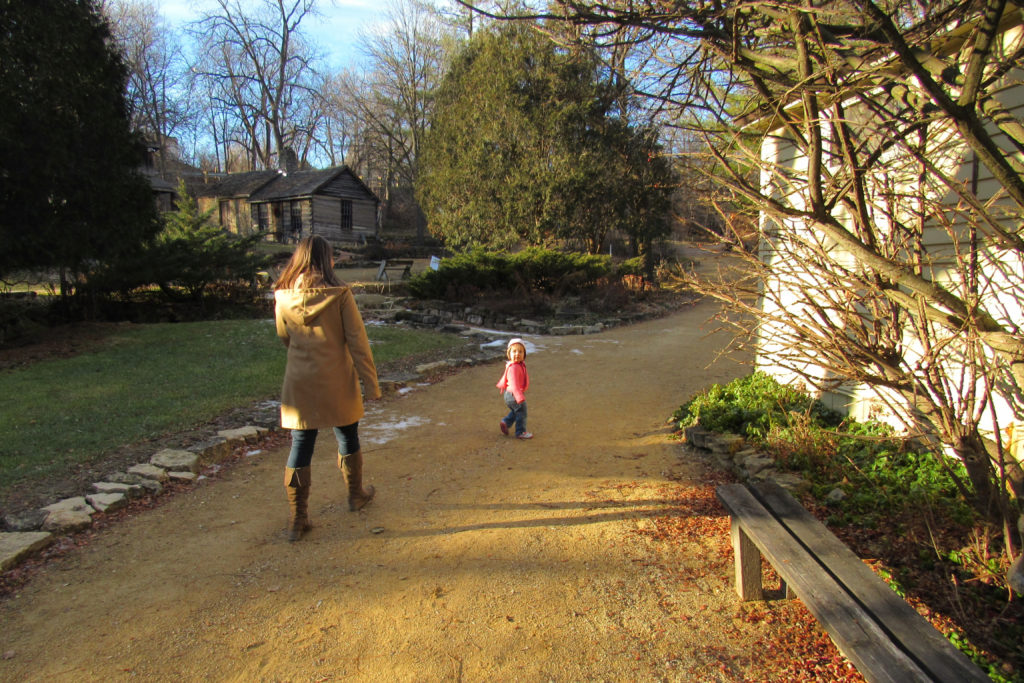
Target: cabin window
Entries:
(296, 220)
(346, 215)
(260, 218)
(225, 213)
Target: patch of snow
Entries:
(531, 347)
(382, 432)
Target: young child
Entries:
(513, 384)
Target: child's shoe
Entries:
(504, 427)
(524, 435)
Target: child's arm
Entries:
(517, 381)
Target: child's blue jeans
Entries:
(517, 413)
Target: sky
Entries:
(336, 30)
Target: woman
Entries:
(328, 354)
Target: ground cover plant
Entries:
(146, 380)
(892, 502)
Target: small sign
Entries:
(435, 262)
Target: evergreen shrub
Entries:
(531, 270)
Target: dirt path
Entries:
(493, 559)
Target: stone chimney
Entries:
(289, 160)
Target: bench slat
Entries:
(925, 644)
(852, 629)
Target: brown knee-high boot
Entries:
(352, 468)
(296, 482)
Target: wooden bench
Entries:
(403, 266)
(884, 637)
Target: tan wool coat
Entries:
(328, 354)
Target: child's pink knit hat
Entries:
(515, 340)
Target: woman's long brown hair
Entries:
(310, 266)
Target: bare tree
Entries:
(259, 71)
(158, 75)
(392, 100)
(882, 158)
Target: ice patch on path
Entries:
(577, 351)
(501, 344)
(381, 432)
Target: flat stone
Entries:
(725, 443)
(757, 463)
(428, 368)
(793, 483)
(107, 502)
(29, 520)
(835, 495)
(148, 471)
(761, 475)
(75, 504)
(67, 521)
(150, 485)
(213, 450)
(593, 329)
(244, 433)
(183, 476)
(565, 330)
(16, 545)
(127, 490)
(696, 436)
(176, 460)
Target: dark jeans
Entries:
(517, 413)
(303, 441)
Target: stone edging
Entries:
(31, 531)
(731, 452)
(35, 529)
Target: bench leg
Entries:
(747, 559)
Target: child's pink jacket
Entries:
(515, 379)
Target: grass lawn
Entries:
(146, 381)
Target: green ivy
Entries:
(880, 472)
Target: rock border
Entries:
(31, 531)
(731, 452)
(26, 533)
